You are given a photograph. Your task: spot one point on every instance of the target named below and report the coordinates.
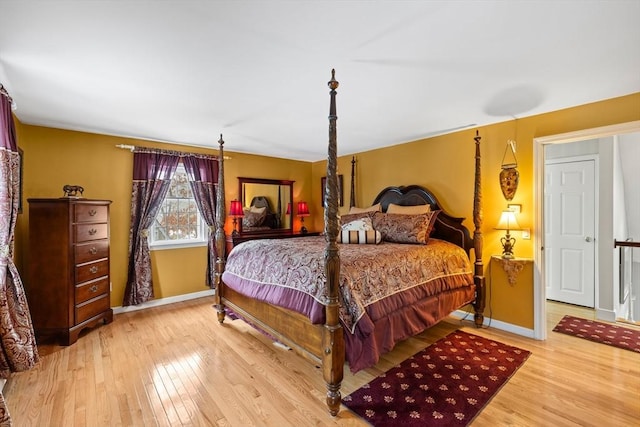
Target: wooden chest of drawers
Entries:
(68, 286)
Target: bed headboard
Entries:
(447, 227)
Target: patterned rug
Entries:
(446, 384)
(604, 333)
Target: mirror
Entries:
(271, 194)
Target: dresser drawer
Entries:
(92, 289)
(91, 213)
(92, 270)
(91, 308)
(86, 252)
(86, 232)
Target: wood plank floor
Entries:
(175, 365)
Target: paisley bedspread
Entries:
(387, 277)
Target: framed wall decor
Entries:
(323, 185)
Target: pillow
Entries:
(358, 224)
(408, 210)
(347, 218)
(253, 219)
(360, 236)
(375, 208)
(258, 210)
(401, 228)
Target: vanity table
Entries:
(277, 196)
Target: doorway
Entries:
(604, 267)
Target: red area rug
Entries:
(604, 333)
(446, 384)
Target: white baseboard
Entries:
(164, 301)
(606, 315)
(508, 327)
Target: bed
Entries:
(327, 318)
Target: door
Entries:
(570, 231)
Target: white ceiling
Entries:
(256, 71)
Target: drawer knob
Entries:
(93, 250)
(93, 269)
(94, 289)
(92, 231)
(93, 212)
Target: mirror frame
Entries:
(280, 182)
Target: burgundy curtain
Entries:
(152, 172)
(17, 340)
(203, 178)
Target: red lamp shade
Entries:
(288, 208)
(236, 209)
(303, 209)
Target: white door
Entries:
(570, 231)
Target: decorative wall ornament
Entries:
(509, 176)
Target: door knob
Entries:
(588, 239)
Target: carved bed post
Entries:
(352, 197)
(333, 349)
(220, 239)
(478, 274)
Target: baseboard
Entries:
(163, 301)
(606, 315)
(504, 326)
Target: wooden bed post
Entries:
(333, 347)
(352, 195)
(220, 238)
(478, 274)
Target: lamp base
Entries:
(304, 230)
(507, 256)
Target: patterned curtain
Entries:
(152, 172)
(17, 339)
(203, 178)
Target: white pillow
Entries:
(408, 210)
(257, 210)
(362, 224)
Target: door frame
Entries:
(539, 292)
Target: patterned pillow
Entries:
(360, 236)
(253, 219)
(401, 228)
(347, 218)
(408, 210)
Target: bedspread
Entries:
(278, 270)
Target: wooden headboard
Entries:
(447, 227)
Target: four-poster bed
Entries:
(336, 313)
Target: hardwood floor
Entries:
(175, 365)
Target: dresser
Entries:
(68, 286)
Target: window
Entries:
(178, 223)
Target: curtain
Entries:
(203, 178)
(18, 350)
(152, 172)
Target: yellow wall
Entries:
(53, 158)
(445, 164)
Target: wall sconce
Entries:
(509, 176)
(235, 212)
(507, 222)
(303, 210)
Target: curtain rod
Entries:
(133, 147)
